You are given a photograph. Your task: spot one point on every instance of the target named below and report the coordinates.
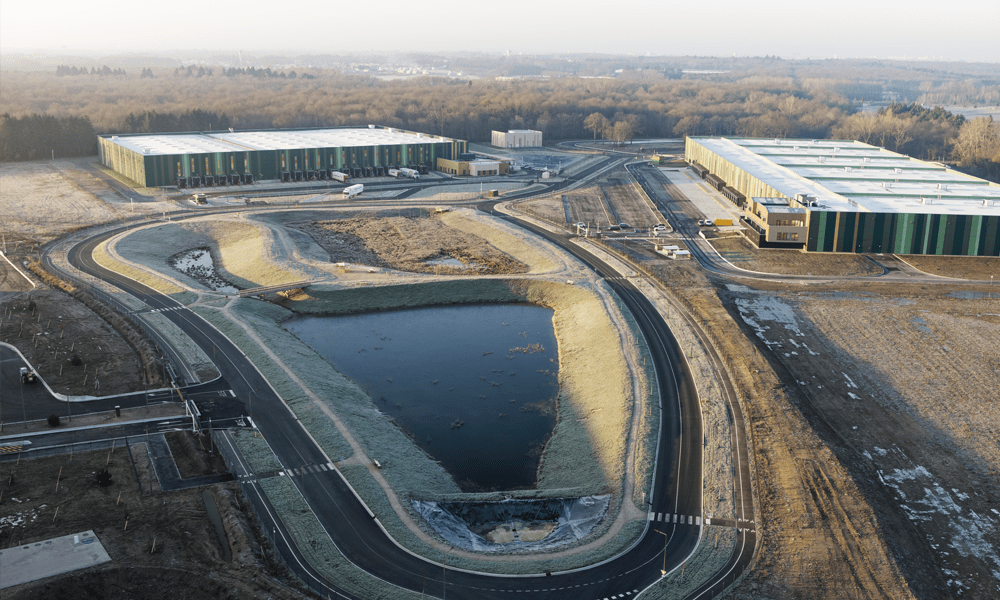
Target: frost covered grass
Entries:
(190, 352)
(256, 450)
(719, 474)
(648, 431)
(104, 258)
(717, 545)
(321, 428)
(319, 550)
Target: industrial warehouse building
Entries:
(517, 138)
(229, 158)
(846, 196)
(474, 167)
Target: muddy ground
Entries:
(188, 558)
(874, 421)
(72, 347)
(415, 244)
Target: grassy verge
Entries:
(104, 258)
(649, 420)
(319, 550)
(717, 545)
(315, 422)
(256, 450)
(190, 352)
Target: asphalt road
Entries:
(677, 483)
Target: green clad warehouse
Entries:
(231, 157)
(846, 196)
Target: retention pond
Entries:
(475, 386)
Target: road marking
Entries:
(330, 464)
(12, 447)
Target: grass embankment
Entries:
(246, 254)
(497, 234)
(319, 550)
(717, 545)
(256, 451)
(110, 258)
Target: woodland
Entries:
(59, 109)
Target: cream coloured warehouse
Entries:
(517, 138)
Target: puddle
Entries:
(967, 295)
(216, 520)
(198, 265)
(447, 261)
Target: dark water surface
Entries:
(457, 379)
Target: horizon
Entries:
(893, 30)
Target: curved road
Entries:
(676, 499)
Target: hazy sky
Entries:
(957, 30)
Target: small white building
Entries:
(517, 138)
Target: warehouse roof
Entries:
(849, 176)
(270, 139)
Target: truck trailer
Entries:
(411, 173)
(353, 190)
(338, 176)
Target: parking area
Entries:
(711, 203)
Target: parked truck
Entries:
(395, 173)
(411, 173)
(338, 176)
(353, 190)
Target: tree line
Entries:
(104, 71)
(621, 109)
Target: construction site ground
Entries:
(162, 545)
(870, 406)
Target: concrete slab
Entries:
(712, 204)
(39, 560)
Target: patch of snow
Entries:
(868, 456)
(852, 395)
(850, 382)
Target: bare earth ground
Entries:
(819, 535)
(744, 255)
(187, 561)
(958, 267)
(614, 199)
(408, 244)
(71, 346)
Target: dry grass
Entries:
(960, 267)
(500, 235)
(409, 244)
(744, 255)
(595, 394)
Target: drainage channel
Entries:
(216, 519)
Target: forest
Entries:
(62, 109)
